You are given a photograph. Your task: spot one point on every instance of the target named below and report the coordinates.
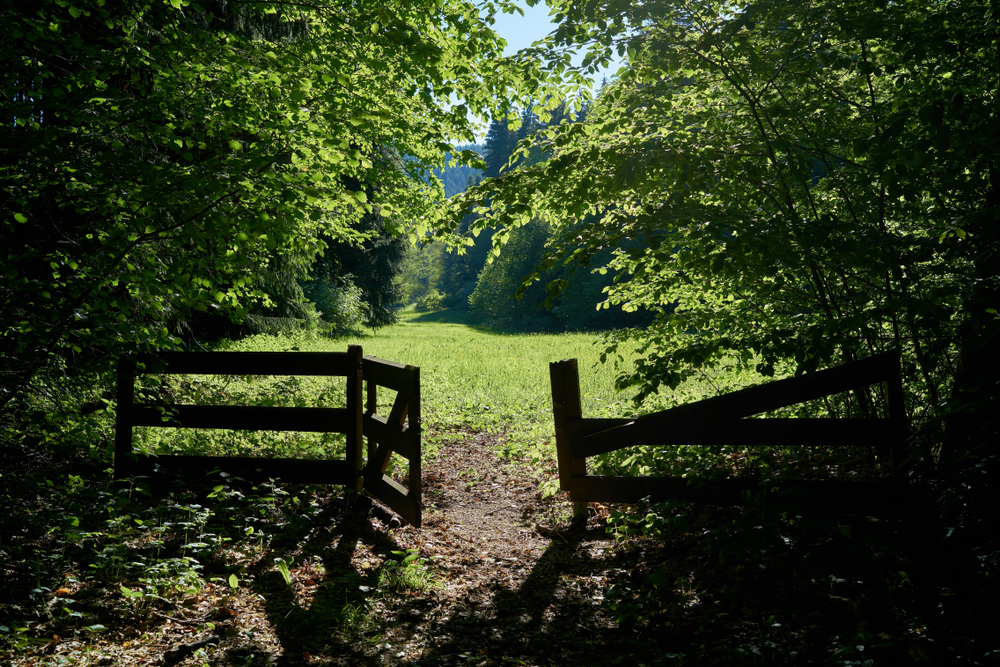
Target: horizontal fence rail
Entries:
(722, 420)
(398, 433)
(252, 363)
(242, 418)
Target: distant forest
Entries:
(485, 280)
(456, 176)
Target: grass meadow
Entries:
(472, 378)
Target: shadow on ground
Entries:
(554, 616)
(736, 595)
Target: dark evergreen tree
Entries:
(456, 176)
(460, 272)
(559, 114)
(500, 143)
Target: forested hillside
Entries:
(485, 277)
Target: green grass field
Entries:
(472, 378)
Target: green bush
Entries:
(339, 302)
(431, 301)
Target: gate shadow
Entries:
(340, 590)
(552, 617)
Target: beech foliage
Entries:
(162, 158)
(790, 184)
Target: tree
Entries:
(461, 266)
(499, 279)
(500, 143)
(159, 156)
(456, 176)
(801, 183)
(371, 267)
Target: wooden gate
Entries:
(398, 433)
(720, 420)
(349, 471)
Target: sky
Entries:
(522, 31)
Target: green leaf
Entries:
(284, 571)
(129, 593)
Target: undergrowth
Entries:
(104, 557)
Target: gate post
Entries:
(354, 426)
(124, 459)
(566, 408)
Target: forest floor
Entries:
(499, 575)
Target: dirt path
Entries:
(522, 581)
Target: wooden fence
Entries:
(721, 420)
(399, 432)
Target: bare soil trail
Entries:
(523, 581)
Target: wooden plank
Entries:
(387, 434)
(371, 407)
(371, 397)
(741, 433)
(747, 402)
(389, 374)
(243, 418)
(378, 463)
(295, 471)
(399, 500)
(414, 427)
(397, 438)
(579, 428)
(400, 408)
(248, 363)
(354, 432)
(566, 410)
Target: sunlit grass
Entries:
(470, 377)
(478, 378)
